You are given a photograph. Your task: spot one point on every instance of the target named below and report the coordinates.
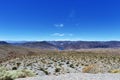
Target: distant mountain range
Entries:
(65, 45)
(4, 43)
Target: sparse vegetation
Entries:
(13, 74)
(60, 62)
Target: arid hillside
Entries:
(9, 52)
(21, 62)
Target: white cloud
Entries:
(59, 25)
(58, 34)
(62, 34)
(63, 39)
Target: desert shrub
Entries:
(7, 78)
(28, 73)
(60, 64)
(71, 65)
(57, 70)
(87, 69)
(115, 71)
(18, 64)
(13, 74)
(14, 68)
(45, 71)
(2, 69)
(2, 72)
(67, 62)
(96, 68)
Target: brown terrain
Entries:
(21, 61)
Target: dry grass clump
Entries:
(115, 71)
(96, 68)
(88, 68)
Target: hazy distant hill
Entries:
(40, 45)
(85, 44)
(3, 43)
(68, 45)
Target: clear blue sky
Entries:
(59, 20)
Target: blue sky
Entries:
(59, 20)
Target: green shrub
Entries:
(14, 68)
(45, 71)
(71, 65)
(57, 70)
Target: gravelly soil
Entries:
(77, 76)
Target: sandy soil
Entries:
(77, 76)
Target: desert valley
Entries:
(55, 59)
